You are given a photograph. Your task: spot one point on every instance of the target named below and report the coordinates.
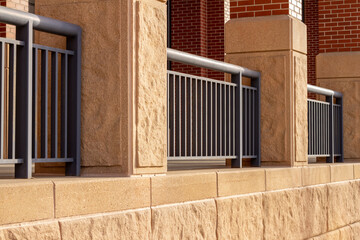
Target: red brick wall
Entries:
(197, 26)
(188, 31)
(257, 8)
(339, 25)
(215, 34)
(312, 23)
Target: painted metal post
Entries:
(256, 82)
(340, 101)
(330, 100)
(237, 78)
(24, 101)
(74, 105)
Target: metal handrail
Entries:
(198, 61)
(323, 91)
(245, 115)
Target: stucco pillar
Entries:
(340, 71)
(276, 46)
(123, 123)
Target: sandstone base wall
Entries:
(317, 202)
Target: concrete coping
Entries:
(57, 197)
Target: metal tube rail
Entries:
(19, 18)
(194, 60)
(323, 91)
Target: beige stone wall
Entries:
(311, 202)
(123, 115)
(275, 46)
(340, 72)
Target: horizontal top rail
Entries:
(191, 59)
(19, 18)
(323, 91)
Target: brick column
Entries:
(123, 118)
(337, 65)
(197, 26)
(268, 36)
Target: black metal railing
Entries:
(40, 95)
(210, 119)
(325, 125)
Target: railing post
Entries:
(255, 82)
(74, 105)
(237, 78)
(23, 123)
(330, 100)
(340, 101)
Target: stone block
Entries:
(134, 224)
(183, 187)
(341, 205)
(151, 80)
(300, 137)
(26, 200)
(44, 230)
(313, 175)
(258, 34)
(356, 171)
(87, 196)
(193, 220)
(341, 172)
(355, 230)
(283, 214)
(280, 178)
(104, 120)
(338, 65)
(333, 235)
(240, 182)
(240, 217)
(350, 88)
(314, 215)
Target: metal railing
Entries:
(210, 119)
(40, 95)
(325, 125)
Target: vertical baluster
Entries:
(54, 104)
(12, 99)
(44, 104)
(2, 97)
(35, 101)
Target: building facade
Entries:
(269, 49)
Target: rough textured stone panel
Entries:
(356, 230)
(341, 207)
(26, 200)
(104, 89)
(283, 215)
(240, 217)
(275, 108)
(194, 220)
(350, 87)
(31, 231)
(300, 107)
(87, 196)
(150, 94)
(333, 235)
(125, 225)
(314, 203)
